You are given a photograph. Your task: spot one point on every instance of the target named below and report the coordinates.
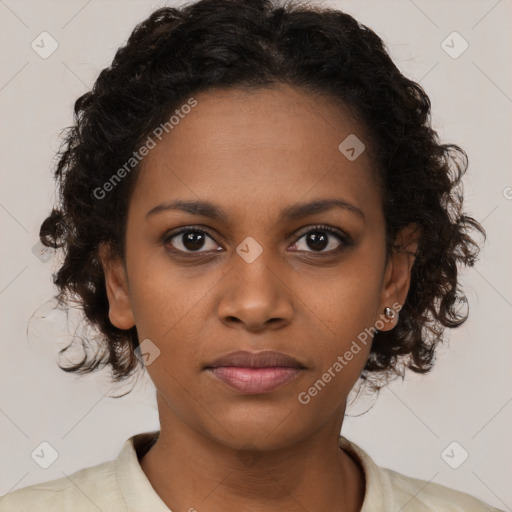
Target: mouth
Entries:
(255, 372)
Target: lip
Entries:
(262, 359)
(255, 372)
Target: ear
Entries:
(397, 276)
(116, 283)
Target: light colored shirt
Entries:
(121, 486)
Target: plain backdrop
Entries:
(466, 398)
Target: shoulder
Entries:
(389, 490)
(425, 496)
(88, 489)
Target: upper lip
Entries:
(261, 359)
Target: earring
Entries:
(389, 313)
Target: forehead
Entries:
(260, 147)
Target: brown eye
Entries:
(191, 241)
(321, 238)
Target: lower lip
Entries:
(254, 380)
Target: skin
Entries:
(253, 154)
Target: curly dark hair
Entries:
(250, 44)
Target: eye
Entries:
(321, 237)
(191, 240)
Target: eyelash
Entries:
(346, 240)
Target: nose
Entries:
(255, 296)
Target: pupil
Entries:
(317, 240)
(193, 240)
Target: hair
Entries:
(246, 45)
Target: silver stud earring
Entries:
(389, 313)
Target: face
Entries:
(266, 273)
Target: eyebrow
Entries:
(294, 212)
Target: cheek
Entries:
(172, 318)
(345, 302)
(164, 297)
(339, 361)
(172, 309)
(345, 310)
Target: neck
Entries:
(190, 470)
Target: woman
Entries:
(255, 208)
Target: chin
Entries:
(267, 428)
